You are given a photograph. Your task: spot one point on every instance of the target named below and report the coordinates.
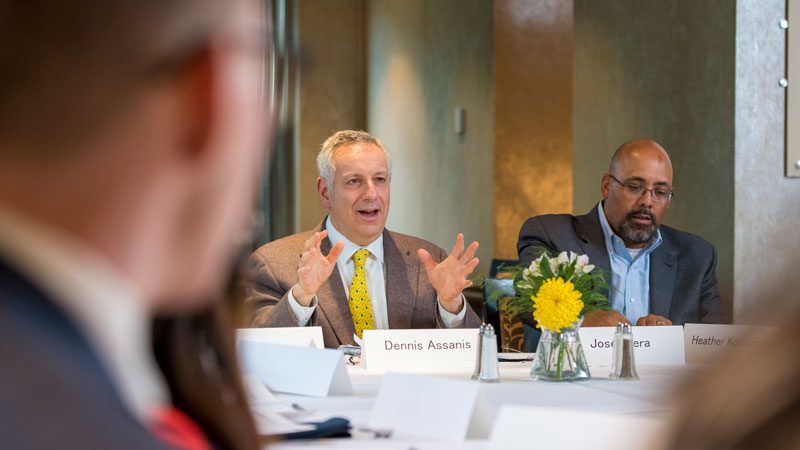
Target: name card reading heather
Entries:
(652, 346)
(421, 350)
(705, 341)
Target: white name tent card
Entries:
(420, 350)
(296, 370)
(537, 427)
(431, 407)
(652, 346)
(299, 336)
(705, 341)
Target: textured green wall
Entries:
(424, 59)
(664, 70)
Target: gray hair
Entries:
(344, 138)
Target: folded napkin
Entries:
(331, 428)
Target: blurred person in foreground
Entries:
(658, 275)
(749, 397)
(350, 273)
(131, 138)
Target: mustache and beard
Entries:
(638, 233)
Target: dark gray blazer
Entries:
(54, 391)
(410, 299)
(683, 279)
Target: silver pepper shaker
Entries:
(489, 372)
(624, 365)
(478, 356)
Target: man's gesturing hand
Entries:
(449, 277)
(315, 268)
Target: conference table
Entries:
(641, 398)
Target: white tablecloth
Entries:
(642, 397)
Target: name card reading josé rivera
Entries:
(657, 346)
(420, 350)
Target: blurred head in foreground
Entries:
(136, 126)
(132, 134)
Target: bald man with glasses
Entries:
(657, 274)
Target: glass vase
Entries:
(559, 357)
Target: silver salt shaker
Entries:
(477, 372)
(624, 365)
(489, 373)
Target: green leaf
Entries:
(544, 267)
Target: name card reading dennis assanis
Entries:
(420, 350)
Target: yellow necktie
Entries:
(360, 303)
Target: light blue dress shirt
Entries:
(629, 291)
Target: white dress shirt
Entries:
(103, 304)
(375, 269)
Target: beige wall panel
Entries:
(793, 92)
(533, 115)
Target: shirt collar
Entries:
(375, 247)
(615, 245)
(105, 306)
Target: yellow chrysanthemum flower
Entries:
(557, 304)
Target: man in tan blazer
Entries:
(318, 278)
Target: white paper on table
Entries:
(653, 346)
(705, 341)
(298, 336)
(430, 407)
(269, 422)
(379, 444)
(420, 350)
(524, 427)
(296, 370)
(257, 393)
(260, 398)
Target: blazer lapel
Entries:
(333, 301)
(402, 282)
(663, 268)
(592, 241)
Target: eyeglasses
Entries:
(660, 194)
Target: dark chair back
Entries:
(497, 263)
(514, 333)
